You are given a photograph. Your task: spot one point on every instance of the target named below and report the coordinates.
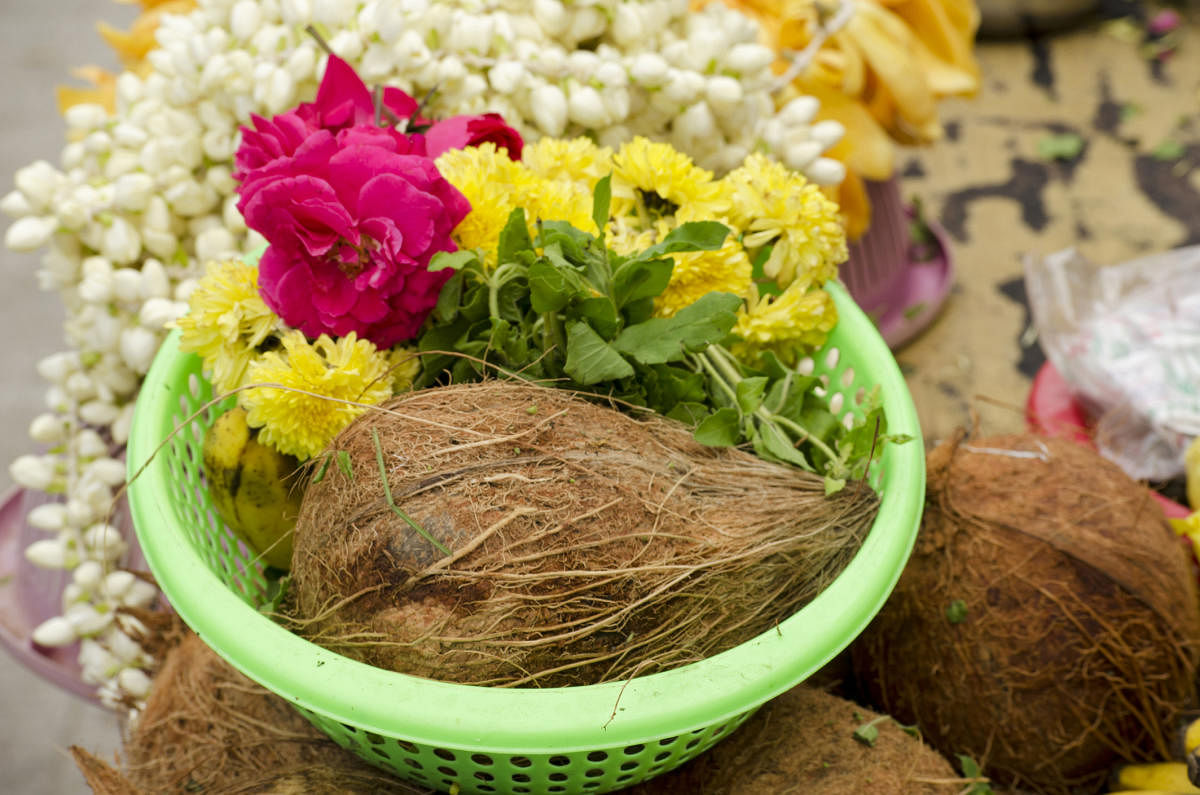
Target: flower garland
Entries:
(144, 195)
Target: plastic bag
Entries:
(1127, 339)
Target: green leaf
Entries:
(773, 444)
(601, 201)
(601, 315)
(343, 462)
(590, 359)
(514, 237)
(688, 412)
(690, 236)
(1063, 146)
(455, 260)
(701, 323)
(750, 393)
(446, 308)
(722, 428)
(636, 279)
(548, 286)
(867, 734)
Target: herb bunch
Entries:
(560, 307)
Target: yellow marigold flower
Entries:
(575, 159)
(797, 320)
(775, 206)
(493, 184)
(226, 321)
(558, 200)
(625, 236)
(653, 180)
(299, 420)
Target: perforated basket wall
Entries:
(598, 738)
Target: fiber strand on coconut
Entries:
(586, 545)
(1047, 623)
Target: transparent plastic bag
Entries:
(1126, 338)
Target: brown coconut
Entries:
(805, 741)
(208, 729)
(585, 545)
(1047, 622)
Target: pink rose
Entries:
(352, 208)
(459, 132)
(351, 229)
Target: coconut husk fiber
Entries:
(586, 545)
(208, 729)
(1047, 622)
(804, 742)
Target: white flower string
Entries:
(142, 198)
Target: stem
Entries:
(706, 362)
(553, 337)
(387, 493)
(501, 275)
(723, 360)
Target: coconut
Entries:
(526, 536)
(811, 741)
(1046, 624)
(208, 729)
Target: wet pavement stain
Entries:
(1025, 186)
(1166, 183)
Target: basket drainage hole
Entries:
(521, 778)
(629, 765)
(630, 750)
(448, 771)
(414, 764)
(591, 784)
(557, 777)
(593, 772)
(556, 788)
(560, 761)
(662, 756)
(624, 777)
(521, 789)
(373, 738)
(831, 358)
(519, 761)
(597, 756)
(442, 753)
(482, 759)
(667, 740)
(479, 774)
(692, 744)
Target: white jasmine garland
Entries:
(142, 198)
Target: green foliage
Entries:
(562, 309)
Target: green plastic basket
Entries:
(597, 738)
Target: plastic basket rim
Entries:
(532, 721)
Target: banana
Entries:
(1160, 776)
(251, 486)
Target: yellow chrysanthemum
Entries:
(493, 184)
(575, 159)
(775, 206)
(799, 319)
(226, 321)
(558, 200)
(653, 179)
(299, 420)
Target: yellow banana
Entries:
(252, 487)
(1161, 776)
